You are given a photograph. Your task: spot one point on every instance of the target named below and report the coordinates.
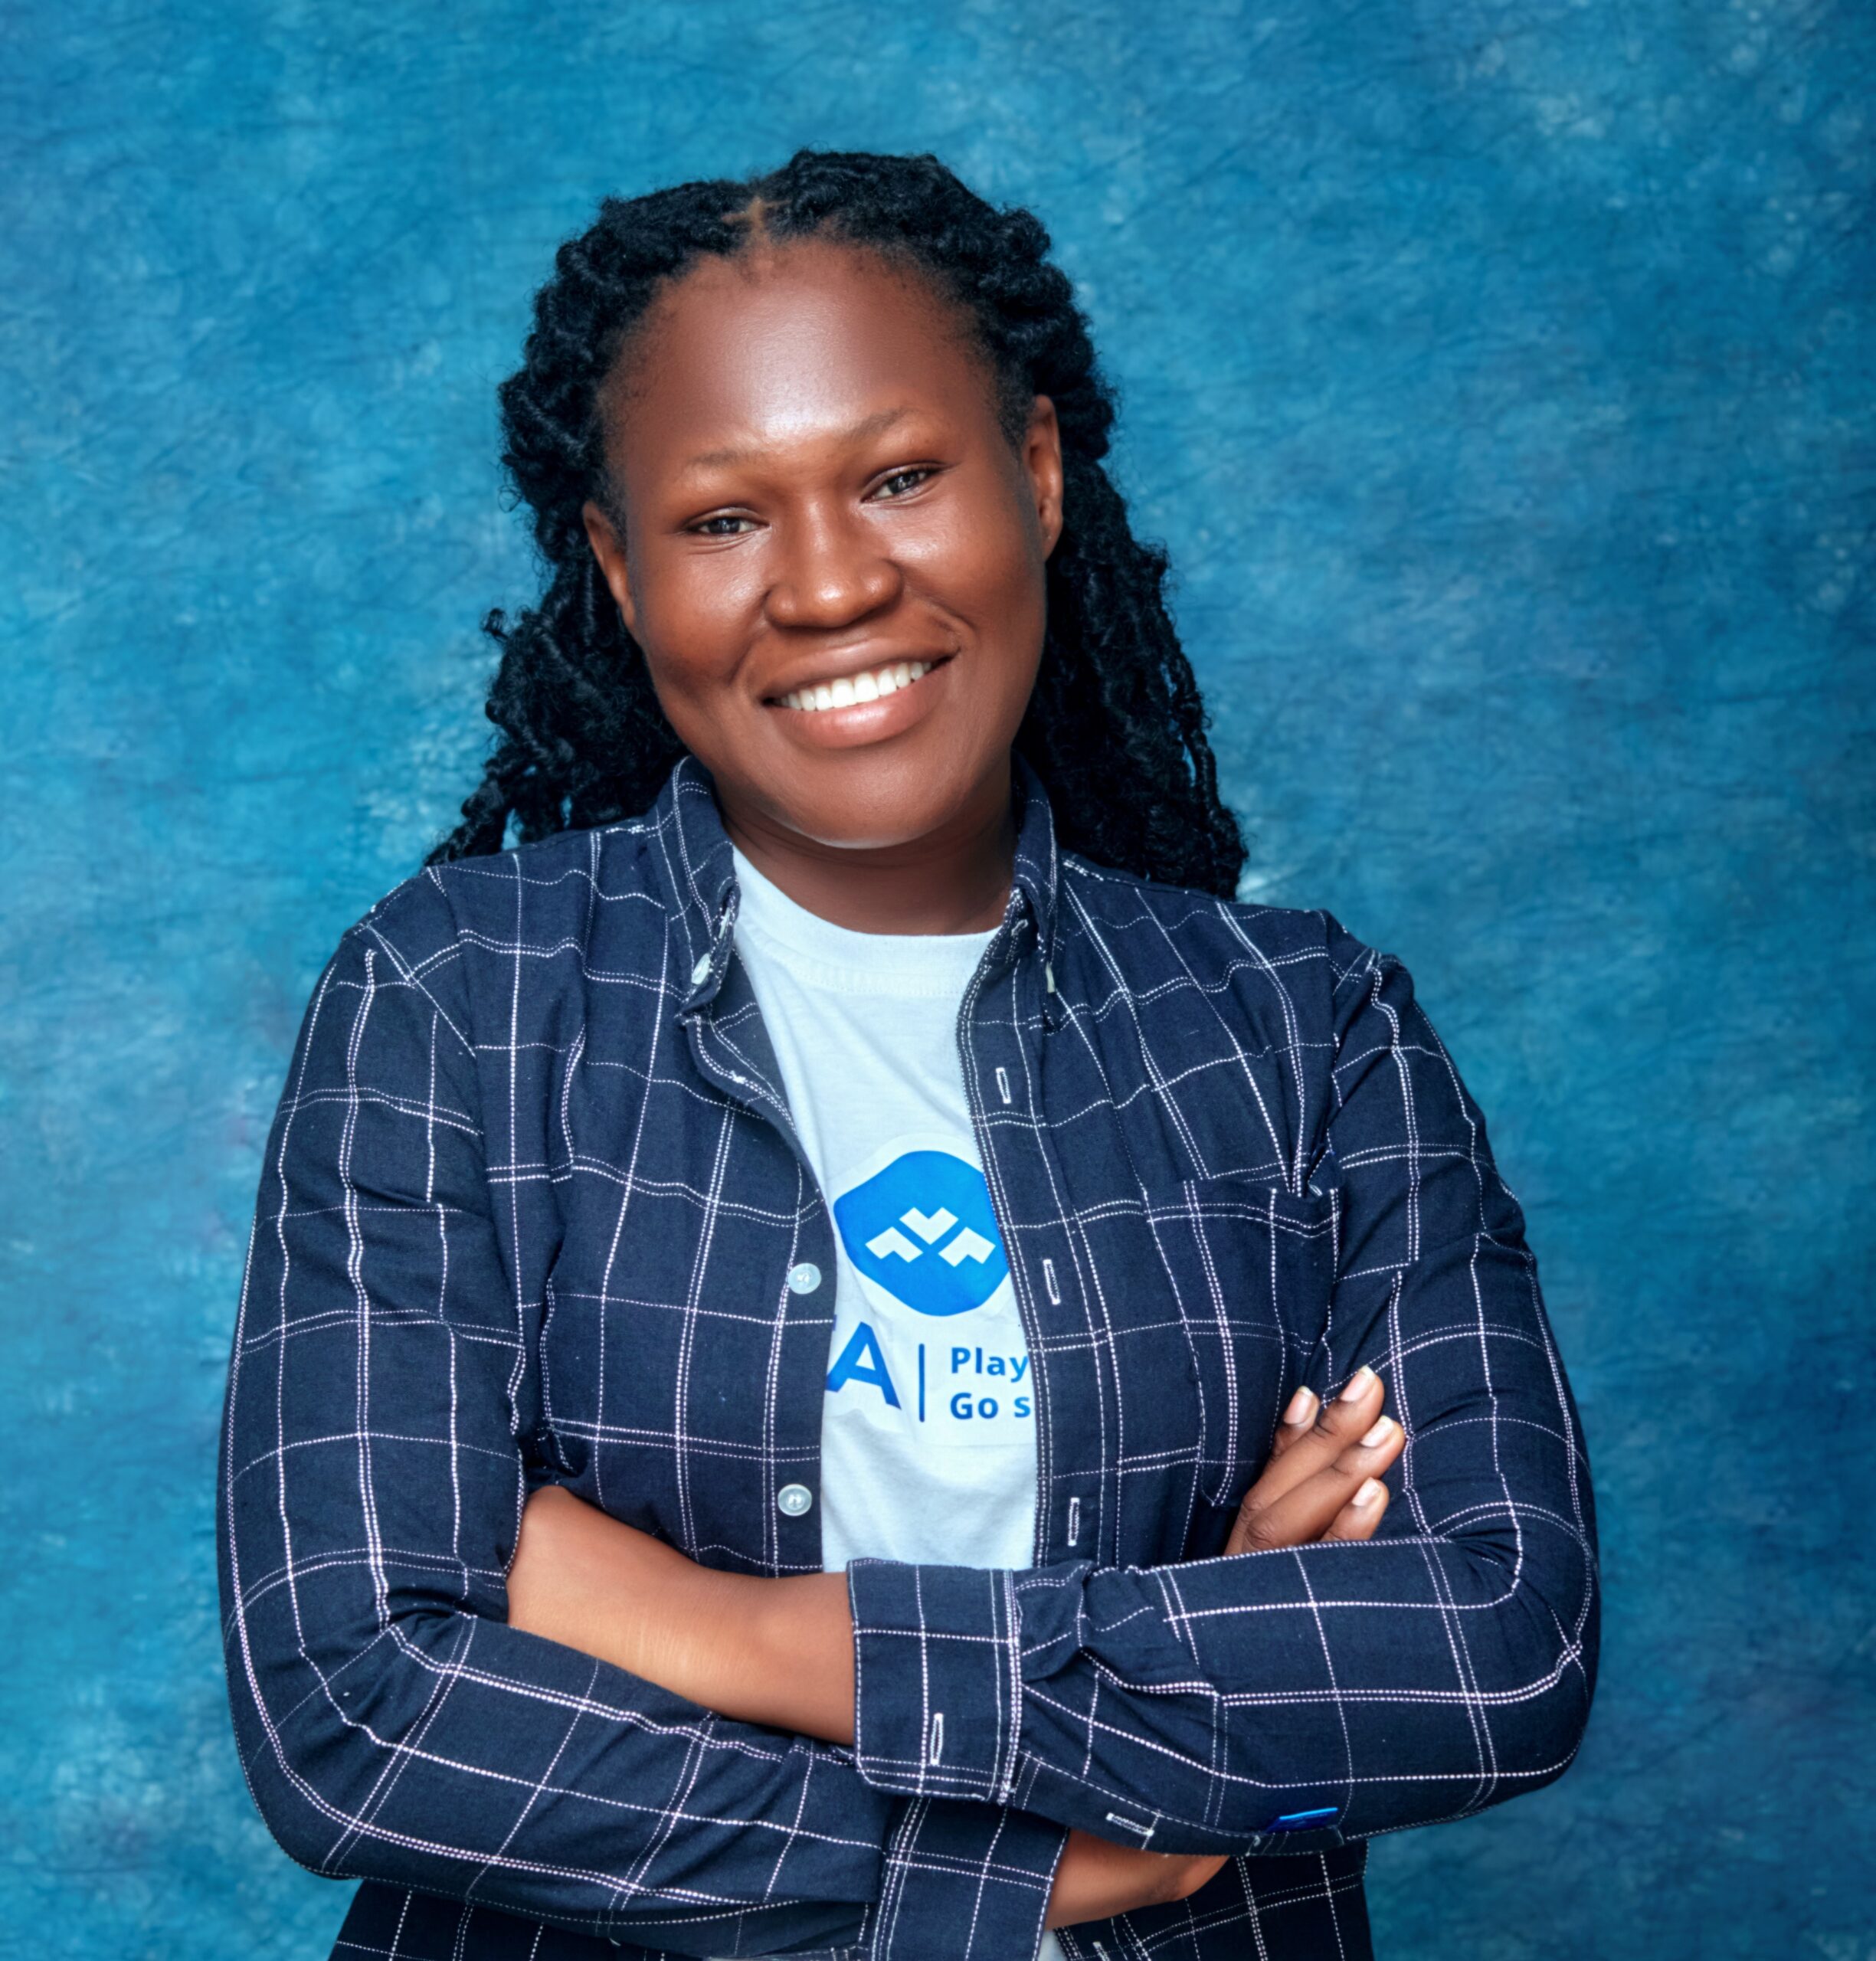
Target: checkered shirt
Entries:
(532, 1211)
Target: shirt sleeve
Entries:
(374, 1466)
(1288, 1700)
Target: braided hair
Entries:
(1115, 728)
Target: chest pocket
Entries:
(1250, 1268)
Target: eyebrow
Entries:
(868, 425)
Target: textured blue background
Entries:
(1496, 372)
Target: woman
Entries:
(811, 1373)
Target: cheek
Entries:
(1012, 599)
(693, 619)
(990, 570)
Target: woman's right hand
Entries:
(1322, 1481)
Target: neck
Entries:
(953, 879)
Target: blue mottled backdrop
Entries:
(1499, 373)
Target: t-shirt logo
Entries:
(923, 1229)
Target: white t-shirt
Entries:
(928, 1446)
(928, 1430)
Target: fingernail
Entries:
(1383, 1429)
(1370, 1494)
(1358, 1384)
(1302, 1407)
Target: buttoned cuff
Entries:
(965, 1882)
(937, 1681)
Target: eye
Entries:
(702, 529)
(917, 474)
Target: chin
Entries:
(863, 803)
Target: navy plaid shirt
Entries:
(532, 1210)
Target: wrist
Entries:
(790, 1660)
(1096, 1879)
(698, 1632)
(759, 1650)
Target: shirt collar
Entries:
(1037, 883)
(703, 871)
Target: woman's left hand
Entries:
(1323, 1478)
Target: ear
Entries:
(1041, 457)
(609, 549)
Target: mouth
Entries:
(875, 684)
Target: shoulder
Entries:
(1303, 961)
(534, 917)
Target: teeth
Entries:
(846, 691)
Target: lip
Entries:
(862, 722)
(848, 663)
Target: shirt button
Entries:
(794, 1499)
(701, 972)
(805, 1278)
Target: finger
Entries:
(1302, 1514)
(1297, 1415)
(1309, 1513)
(1363, 1512)
(1364, 1390)
(1315, 1443)
(1312, 1446)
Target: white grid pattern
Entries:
(530, 1203)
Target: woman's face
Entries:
(819, 504)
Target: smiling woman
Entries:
(782, 560)
(875, 335)
(812, 1367)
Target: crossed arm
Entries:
(401, 1719)
(780, 1651)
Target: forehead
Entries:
(789, 341)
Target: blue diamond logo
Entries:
(923, 1229)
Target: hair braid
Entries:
(1115, 727)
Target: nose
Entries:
(831, 573)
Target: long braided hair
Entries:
(1115, 727)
